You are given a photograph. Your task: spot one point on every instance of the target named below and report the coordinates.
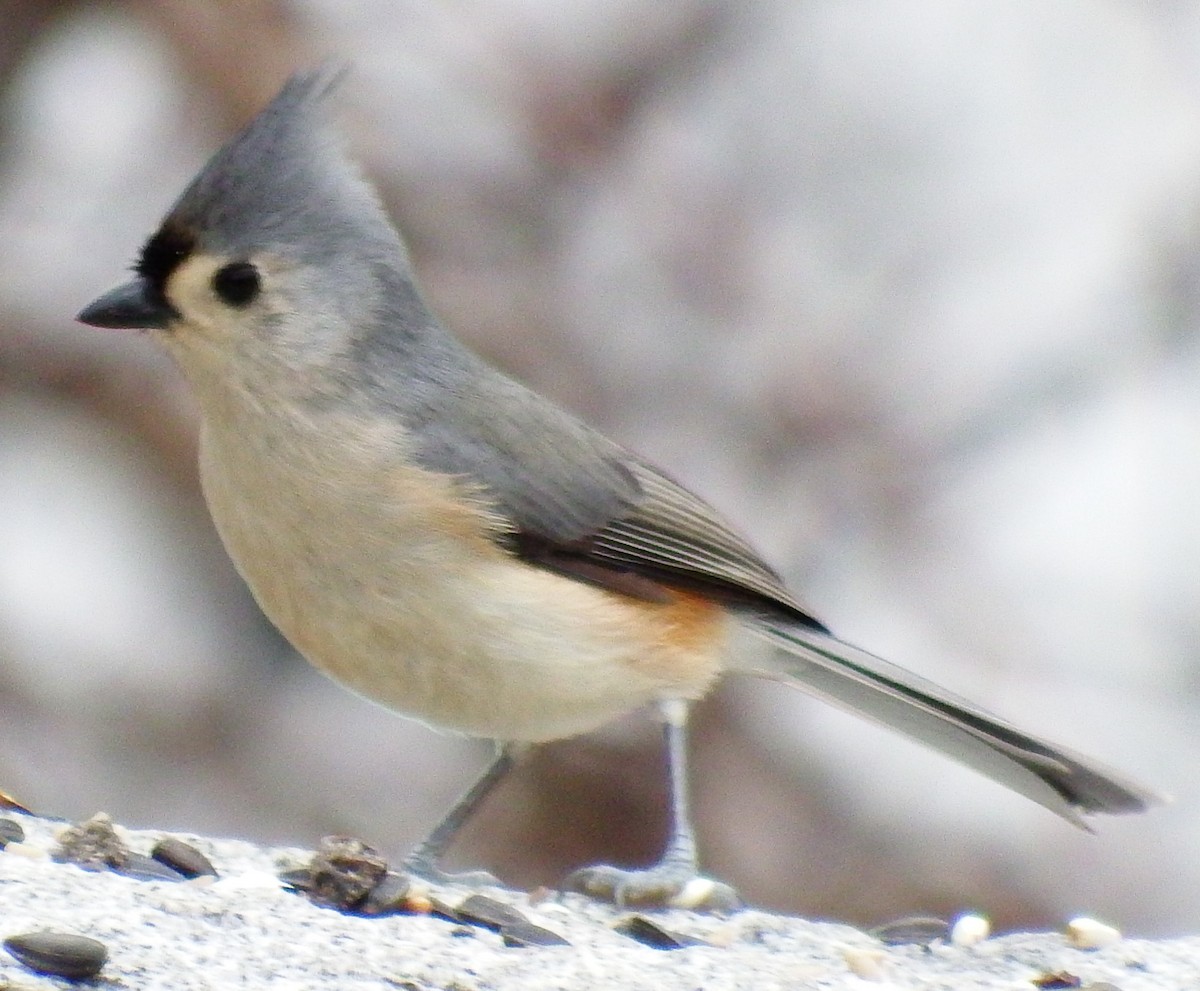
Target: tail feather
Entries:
(1066, 783)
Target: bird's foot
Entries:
(426, 869)
(665, 885)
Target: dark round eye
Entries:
(237, 283)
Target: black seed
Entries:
(298, 879)
(652, 934)
(527, 934)
(919, 929)
(58, 954)
(93, 845)
(182, 857)
(143, 868)
(344, 870)
(480, 910)
(388, 897)
(442, 909)
(10, 832)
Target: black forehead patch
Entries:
(165, 252)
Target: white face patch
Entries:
(231, 345)
(213, 341)
(190, 290)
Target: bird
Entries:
(450, 544)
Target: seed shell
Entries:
(389, 897)
(480, 910)
(1090, 934)
(59, 954)
(183, 858)
(143, 868)
(652, 934)
(527, 934)
(10, 832)
(919, 930)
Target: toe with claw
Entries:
(663, 886)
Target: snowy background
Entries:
(911, 291)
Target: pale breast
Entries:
(389, 579)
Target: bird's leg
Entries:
(424, 860)
(675, 880)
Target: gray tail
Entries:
(1066, 783)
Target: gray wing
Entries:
(584, 505)
(676, 535)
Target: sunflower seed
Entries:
(1088, 934)
(58, 954)
(298, 878)
(652, 934)
(916, 929)
(182, 857)
(142, 868)
(10, 832)
(480, 910)
(388, 897)
(527, 934)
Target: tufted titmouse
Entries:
(449, 544)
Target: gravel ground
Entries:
(245, 929)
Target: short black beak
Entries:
(137, 305)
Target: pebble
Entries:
(59, 954)
(93, 845)
(1056, 980)
(344, 870)
(865, 962)
(970, 929)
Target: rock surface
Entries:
(246, 930)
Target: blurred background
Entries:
(910, 291)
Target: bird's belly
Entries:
(499, 650)
(418, 609)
